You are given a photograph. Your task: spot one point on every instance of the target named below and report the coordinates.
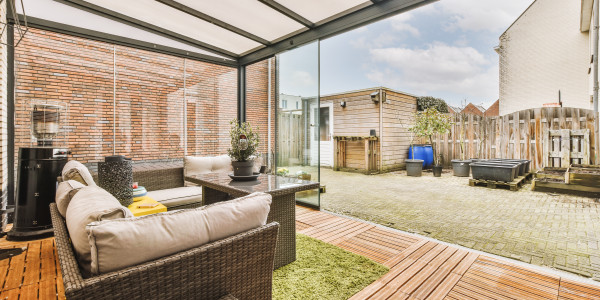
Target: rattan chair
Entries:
(240, 266)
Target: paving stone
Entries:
(547, 230)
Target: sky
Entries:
(445, 50)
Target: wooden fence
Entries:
(290, 135)
(546, 136)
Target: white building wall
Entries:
(543, 52)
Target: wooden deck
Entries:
(422, 269)
(419, 268)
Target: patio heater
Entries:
(38, 167)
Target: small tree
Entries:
(424, 103)
(242, 148)
(428, 123)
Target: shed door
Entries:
(324, 134)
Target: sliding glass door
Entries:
(298, 117)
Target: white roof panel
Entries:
(319, 10)
(158, 14)
(249, 15)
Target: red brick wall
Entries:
(470, 109)
(493, 111)
(149, 98)
(257, 101)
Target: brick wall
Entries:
(149, 100)
(257, 101)
(493, 111)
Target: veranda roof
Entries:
(232, 32)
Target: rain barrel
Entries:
(424, 152)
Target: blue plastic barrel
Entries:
(424, 152)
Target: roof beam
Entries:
(148, 27)
(207, 18)
(367, 15)
(119, 40)
(288, 13)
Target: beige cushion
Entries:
(64, 193)
(90, 204)
(75, 170)
(117, 244)
(197, 165)
(172, 198)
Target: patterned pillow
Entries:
(75, 170)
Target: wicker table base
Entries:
(219, 187)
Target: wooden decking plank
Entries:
(453, 295)
(508, 287)
(316, 231)
(551, 278)
(350, 233)
(439, 275)
(30, 291)
(60, 287)
(402, 255)
(474, 285)
(364, 251)
(48, 289)
(389, 243)
(573, 289)
(15, 272)
(471, 294)
(514, 277)
(466, 263)
(32, 271)
(12, 294)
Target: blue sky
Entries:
(445, 50)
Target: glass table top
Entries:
(265, 183)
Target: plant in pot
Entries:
(244, 144)
(428, 123)
(461, 167)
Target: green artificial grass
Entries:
(324, 271)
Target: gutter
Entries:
(596, 87)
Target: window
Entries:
(283, 103)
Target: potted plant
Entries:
(414, 167)
(461, 167)
(430, 122)
(244, 143)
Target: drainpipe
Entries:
(595, 67)
(380, 129)
(269, 117)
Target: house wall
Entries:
(362, 114)
(543, 52)
(493, 111)
(149, 115)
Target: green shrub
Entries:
(424, 103)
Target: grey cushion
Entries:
(172, 198)
(117, 244)
(90, 204)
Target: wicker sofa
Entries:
(240, 266)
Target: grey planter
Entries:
(522, 167)
(494, 171)
(414, 167)
(242, 168)
(437, 171)
(461, 168)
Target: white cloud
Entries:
(400, 23)
(480, 15)
(436, 68)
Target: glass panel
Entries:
(70, 71)
(260, 106)
(211, 96)
(298, 129)
(319, 10)
(149, 106)
(174, 20)
(249, 15)
(324, 124)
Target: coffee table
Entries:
(218, 187)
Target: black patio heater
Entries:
(38, 168)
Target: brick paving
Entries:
(557, 231)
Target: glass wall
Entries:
(298, 117)
(145, 105)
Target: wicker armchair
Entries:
(240, 266)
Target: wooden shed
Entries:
(354, 115)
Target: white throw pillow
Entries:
(75, 170)
(222, 164)
(117, 244)
(197, 165)
(64, 193)
(90, 204)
